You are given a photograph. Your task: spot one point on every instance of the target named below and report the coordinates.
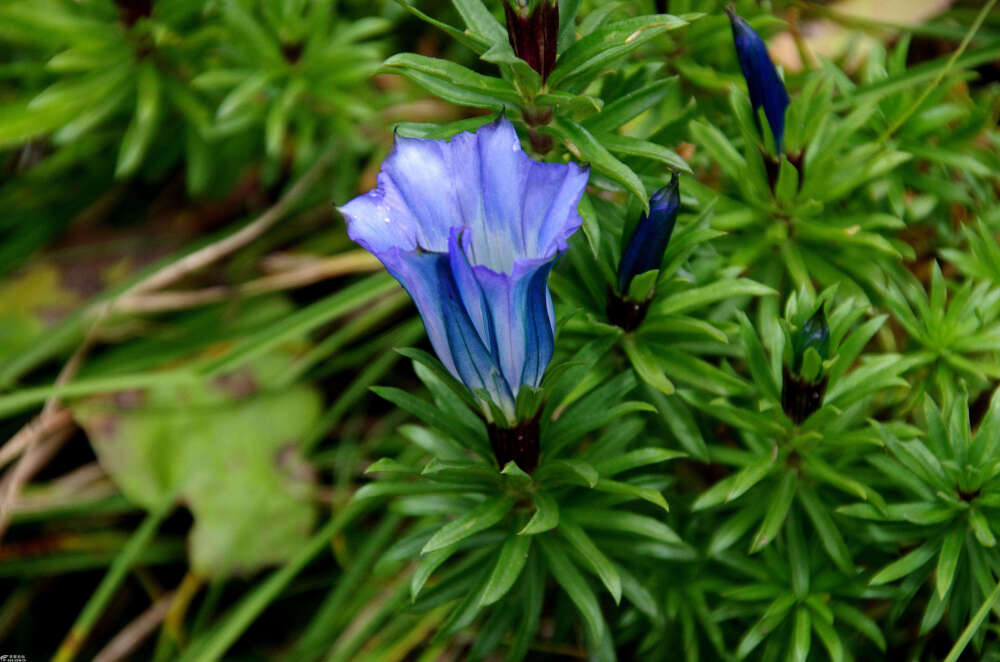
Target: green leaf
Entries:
(910, 563)
(801, 635)
(630, 105)
(480, 21)
(951, 549)
(760, 367)
(632, 491)
(767, 623)
(571, 581)
(829, 532)
(645, 366)
(981, 528)
(860, 622)
(439, 371)
(735, 527)
(599, 49)
(453, 82)
(732, 487)
(546, 515)
(430, 414)
(675, 414)
(788, 182)
(830, 638)
(577, 472)
(973, 627)
(426, 567)
(720, 150)
(774, 518)
(390, 465)
(510, 562)
(139, 133)
(636, 147)
(250, 33)
(641, 287)
(637, 458)
(589, 149)
(479, 518)
(571, 426)
(624, 522)
(701, 297)
(232, 457)
(474, 41)
(592, 557)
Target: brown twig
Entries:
(202, 257)
(33, 452)
(36, 428)
(316, 270)
(126, 641)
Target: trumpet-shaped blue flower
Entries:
(763, 82)
(645, 249)
(471, 227)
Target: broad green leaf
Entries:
(228, 448)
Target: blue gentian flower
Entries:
(763, 82)
(471, 228)
(645, 249)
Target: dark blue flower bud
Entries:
(645, 249)
(763, 82)
(802, 394)
(815, 333)
(533, 31)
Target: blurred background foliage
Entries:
(188, 338)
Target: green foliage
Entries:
(786, 446)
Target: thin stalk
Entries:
(970, 630)
(215, 644)
(987, 8)
(112, 580)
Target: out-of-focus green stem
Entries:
(114, 577)
(215, 644)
